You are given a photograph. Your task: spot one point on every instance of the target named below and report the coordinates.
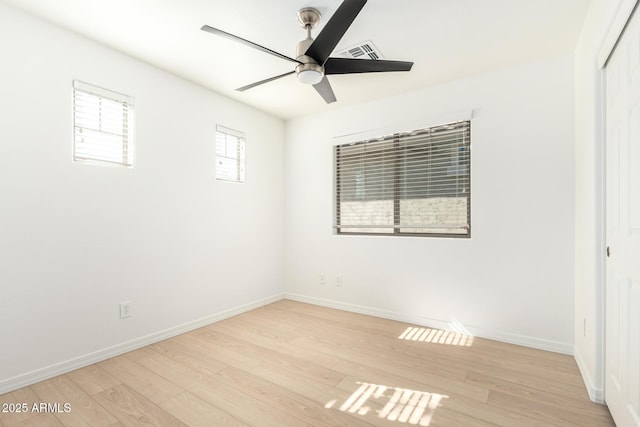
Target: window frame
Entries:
(397, 171)
(126, 137)
(241, 172)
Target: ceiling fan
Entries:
(312, 57)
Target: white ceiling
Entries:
(446, 39)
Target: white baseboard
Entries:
(51, 371)
(596, 394)
(527, 341)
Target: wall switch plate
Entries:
(323, 279)
(125, 309)
(339, 281)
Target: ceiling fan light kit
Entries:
(309, 77)
(312, 56)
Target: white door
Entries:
(622, 385)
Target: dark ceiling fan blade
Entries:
(270, 79)
(349, 66)
(324, 89)
(246, 42)
(333, 31)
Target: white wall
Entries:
(589, 197)
(513, 280)
(75, 239)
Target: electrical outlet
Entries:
(339, 281)
(323, 279)
(125, 309)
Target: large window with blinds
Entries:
(414, 183)
(102, 125)
(230, 154)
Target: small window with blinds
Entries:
(415, 183)
(230, 148)
(102, 131)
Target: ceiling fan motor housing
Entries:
(307, 62)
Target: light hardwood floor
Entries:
(294, 364)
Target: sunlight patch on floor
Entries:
(392, 403)
(436, 336)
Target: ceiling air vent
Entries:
(364, 50)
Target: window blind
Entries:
(408, 183)
(230, 154)
(101, 125)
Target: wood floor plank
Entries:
(141, 352)
(149, 384)
(196, 412)
(309, 315)
(548, 414)
(189, 354)
(520, 368)
(478, 349)
(307, 326)
(133, 409)
(579, 403)
(440, 383)
(383, 403)
(246, 324)
(433, 384)
(320, 393)
(293, 364)
(450, 406)
(227, 399)
(429, 373)
(25, 395)
(377, 326)
(40, 420)
(361, 350)
(93, 379)
(84, 410)
(334, 398)
(217, 350)
(271, 318)
(520, 359)
(284, 399)
(530, 379)
(277, 359)
(325, 359)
